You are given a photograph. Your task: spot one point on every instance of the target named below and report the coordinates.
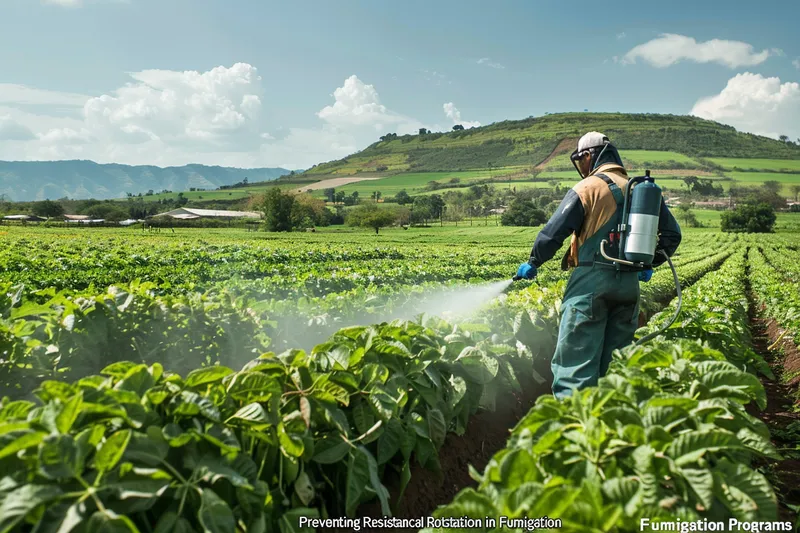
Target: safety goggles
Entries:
(575, 157)
(578, 154)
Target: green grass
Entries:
(638, 157)
(789, 222)
(760, 164)
(413, 183)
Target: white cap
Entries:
(591, 140)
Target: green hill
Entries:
(531, 141)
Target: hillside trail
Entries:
(564, 146)
(781, 412)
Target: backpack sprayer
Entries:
(637, 236)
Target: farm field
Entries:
(248, 379)
(786, 172)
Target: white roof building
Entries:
(188, 213)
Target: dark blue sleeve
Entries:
(567, 219)
(669, 234)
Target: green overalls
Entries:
(599, 312)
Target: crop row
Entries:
(664, 436)
(261, 269)
(288, 435)
(50, 334)
(778, 291)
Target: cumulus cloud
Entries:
(489, 63)
(452, 112)
(217, 107)
(11, 130)
(358, 104)
(755, 104)
(174, 118)
(669, 49)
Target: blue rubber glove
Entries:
(526, 271)
(645, 275)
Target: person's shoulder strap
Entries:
(613, 187)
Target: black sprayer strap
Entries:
(614, 188)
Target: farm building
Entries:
(24, 218)
(187, 213)
(74, 218)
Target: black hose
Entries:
(677, 309)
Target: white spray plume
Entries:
(462, 301)
(453, 303)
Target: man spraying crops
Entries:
(600, 309)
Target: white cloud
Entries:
(65, 136)
(219, 107)
(621, 35)
(357, 104)
(174, 118)
(669, 49)
(11, 93)
(489, 63)
(11, 130)
(796, 63)
(452, 112)
(64, 3)
(755, 104)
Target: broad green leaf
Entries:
(22, 442)
(190, 403)
(137, 380)
(330, 391)
(391, 439)
(146, 449)
(118, 370)
(206, 375)
(58, 457)
(16, 410)
(375, 481)
(358, 478)
(253, 387)
(291, 443)
(211, 469)
(363, 416)
(175, 435)
(73, 517)
(304, 489)
(330, 450)
(16, 504)
(702, 483)
(688, 447)
(112, 450)
(252, 412)
(437, 427)
(746, 493)
(215, 515)
(69, 413)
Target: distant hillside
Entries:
(39, 180)
(530, 141)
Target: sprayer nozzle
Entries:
(516, 278)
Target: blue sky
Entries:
(246, 82)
